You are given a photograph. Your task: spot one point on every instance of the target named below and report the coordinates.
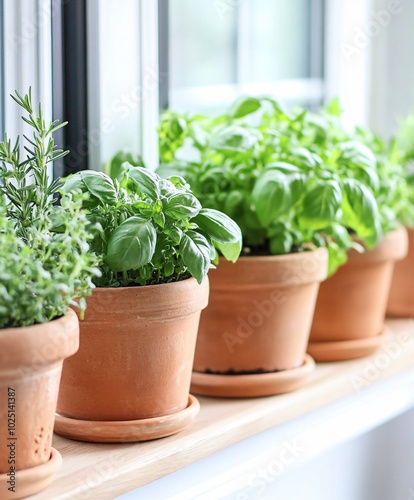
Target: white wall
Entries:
(376, 466)
(392, 70)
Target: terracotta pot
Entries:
(401, 299)
(136, 353)
(30, 368)
(260, 313)
(351, 304)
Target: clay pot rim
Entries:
(295, 269)
(343, 350)
(152, 302)
(40, 326)
(393, 246)
(282, 257)
(127, 431)
(62, 333)
(101, 289)
(253, 385)
(35, 479)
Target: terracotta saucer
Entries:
(33, 480)
(127, 431)
(345, 349)
(247, 386)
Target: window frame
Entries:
(27, 60)
(142, 90)
(69, 75)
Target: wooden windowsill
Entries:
(105, 471)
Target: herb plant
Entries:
(398, 159)
(45, 264)
(291, 180)
(151, 230)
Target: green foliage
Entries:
(114, 167)
(398, 163)
(291, 180)
(45, 264)
(150, 230)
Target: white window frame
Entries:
(347, 78)
(123, 109)
(27, 58)
(27, 62)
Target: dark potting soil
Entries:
(243, 372)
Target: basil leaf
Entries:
(195, 251)
(182, 205)
(131, 245)
(360, 209)
(230, 251)
(244, 106)
(321, 205)
(271, 196)
(100, 186)
(218, 226)
(147, 182)
(237, 139)
(115, 168)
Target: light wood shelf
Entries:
(105, 471)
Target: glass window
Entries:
(201, 52)
(279, 34)
(220, 49)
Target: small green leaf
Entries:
(321, 205)
(115, 168)
(244, 106)
(131, 245)
(230, 251)
(146, 182)
(237, 139)
(218, 226)
(334, 108)
(182, 205)
(271, 196)
(281, 243)
(360, 210)
(100, 186)
(195, 251)
(357, 153)
(234, 202)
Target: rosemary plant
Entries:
(46, 251)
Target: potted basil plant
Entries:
(45, 267)
(294, 181)
(130, 379)
(398, 158)
(351, 306)
(254, 334)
